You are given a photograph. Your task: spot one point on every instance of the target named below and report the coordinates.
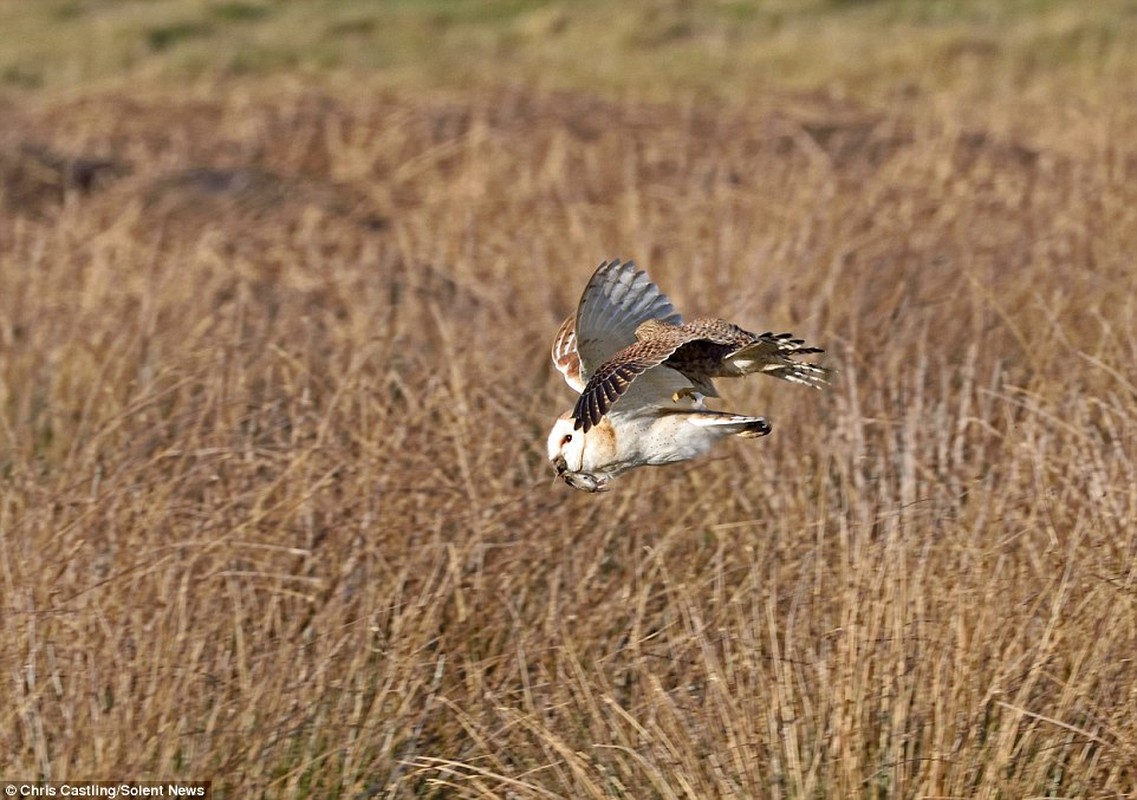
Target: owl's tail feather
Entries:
(732, 424)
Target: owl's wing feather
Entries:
(618, 298)
(657, 391)
(774, 354)
(691, 371)
(565, 356)
(613, 378)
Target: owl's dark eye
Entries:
(567, 439)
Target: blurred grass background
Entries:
(277, 284)
(863, 49)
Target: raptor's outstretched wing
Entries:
(693, 354)
(618, 298)
(615, 376)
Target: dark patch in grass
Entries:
(671, 32)
(239, 12)
(166, 36)
(21, 77)
(34, 177)
(66, 11)
(349, 27)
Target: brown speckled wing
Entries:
(693, 353)
(614, 377)
(775, 355)
(726, 350)
(565, 355)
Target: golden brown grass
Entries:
(274, 508)
(976, 49)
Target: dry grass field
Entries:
(274, 389)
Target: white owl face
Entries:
(566, 445)
(569, 454)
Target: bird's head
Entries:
(580, 458)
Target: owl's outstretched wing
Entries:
(656, 374)
(636, 367)
(618, 298)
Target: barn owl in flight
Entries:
(643, 375)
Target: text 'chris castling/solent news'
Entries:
(201, 790)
